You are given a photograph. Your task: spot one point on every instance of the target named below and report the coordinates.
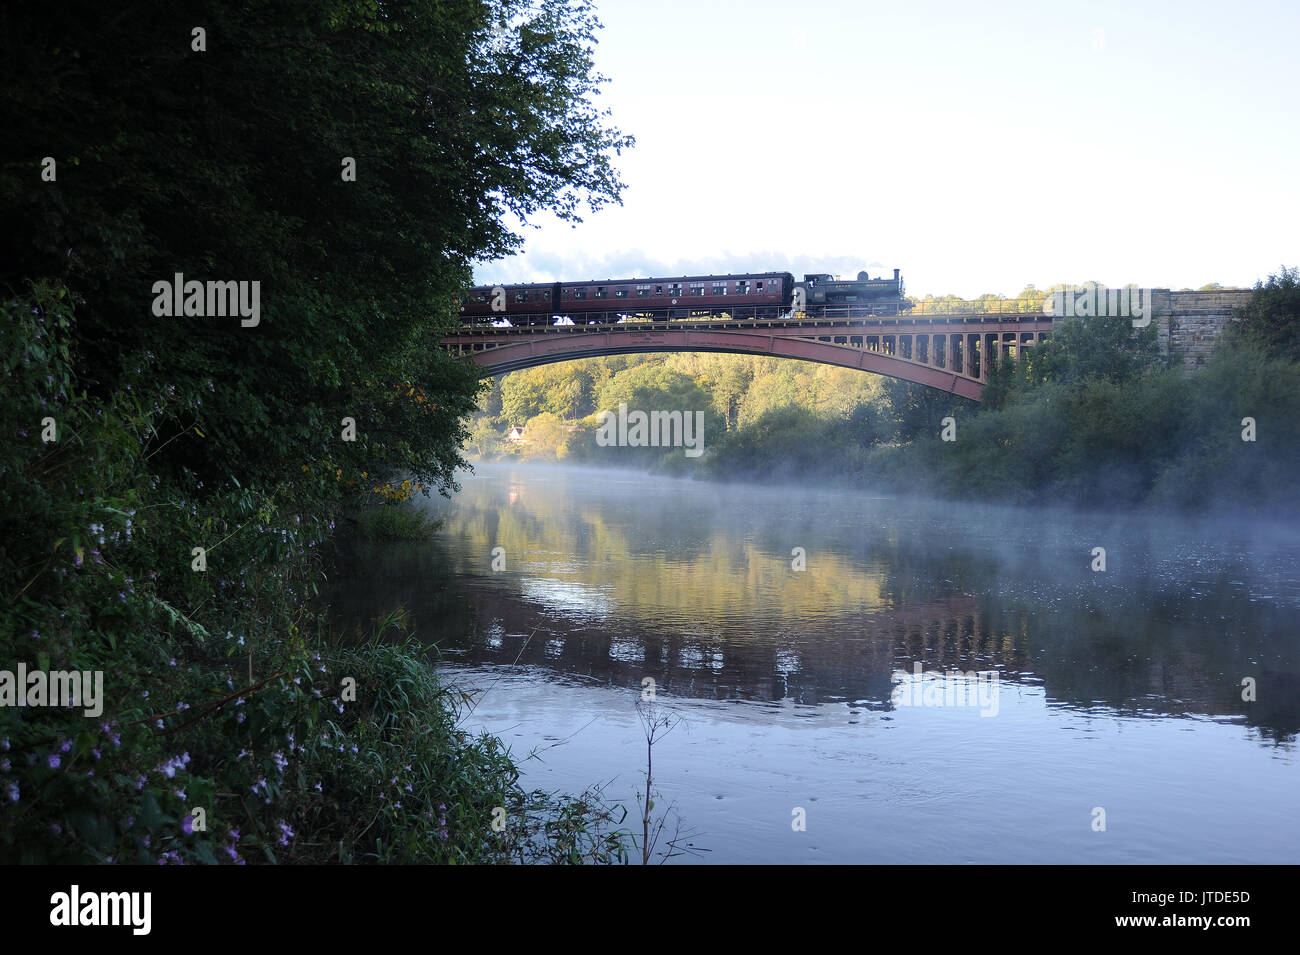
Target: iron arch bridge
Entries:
(948, 351)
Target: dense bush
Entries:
(221, 691)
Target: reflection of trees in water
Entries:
(876, 598)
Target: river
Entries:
(865, 679)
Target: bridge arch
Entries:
(533, 350)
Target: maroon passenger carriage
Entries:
(751, 295)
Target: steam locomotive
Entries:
(748, 295)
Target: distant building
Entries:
(516, 436)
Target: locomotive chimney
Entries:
(895, 275)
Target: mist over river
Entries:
(1118, 690)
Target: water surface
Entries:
(1118, 691)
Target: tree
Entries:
(1105, 347)
(546, 436)
(1271, 319)
(228, 164)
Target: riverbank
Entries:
(219, 722)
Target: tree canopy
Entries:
(228, 163)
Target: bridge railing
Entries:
(767, 313)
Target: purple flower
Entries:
(187, 824)
(12, 792)
(54, 761)
(65, 746)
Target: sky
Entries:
(978, 147)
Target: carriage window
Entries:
(600, 292)
(521, 296)
(620, 293)
(697, 288)
(642, 291)
(760, 286)
(675, 290)
(659, 290)
(742, 288)
(719, 288)
(579, 293)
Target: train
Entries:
(745, 295)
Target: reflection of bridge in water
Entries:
(851, 659)
(847, 658)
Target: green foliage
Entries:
(221, 689)
(213, 695)
(167, 169)
(395, 521)
(1271, 320)
(1105, 348)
